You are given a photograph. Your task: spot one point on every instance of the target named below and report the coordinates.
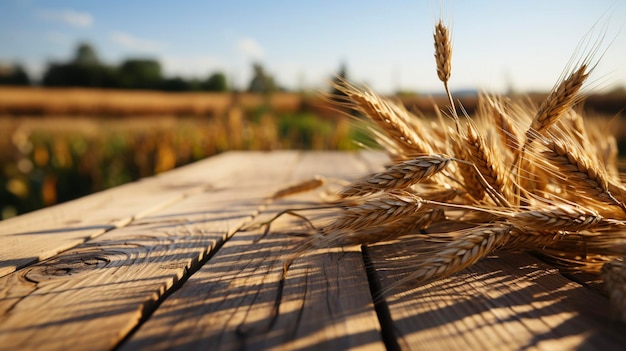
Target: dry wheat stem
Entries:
(443, 59)
(304, 186)
(468, 173)
(504, 125)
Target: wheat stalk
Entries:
(375, 211)
(556, 218)
(502, 121)
(391, 119)
(399, 176)
(456, 255)
(486, 160)
(520, 239)
(556, 192)
(560, 100)
(443, 52)
(581, 173)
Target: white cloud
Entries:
(129, 41)
(69, 17)
(249, 48)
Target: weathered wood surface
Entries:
(163, 264)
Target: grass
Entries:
(48, 160)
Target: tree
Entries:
(341, 76)
(73, 75)
(140, 74)
(85, 70)
(176, 84)
(215, 82)
(86, 55)
(13, 74)
(261, 81)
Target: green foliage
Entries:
(261, 81)
(13, 75)
(140, 74)
(86, 55)
(78, 75)
(342, 75)
(86, 70)
(302, 130)
(41, 166)
(178, 84)
(215, 82)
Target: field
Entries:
(59, 144)
(56, 145)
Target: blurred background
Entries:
(96, 94)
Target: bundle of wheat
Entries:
(518, 176)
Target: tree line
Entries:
(86, 70)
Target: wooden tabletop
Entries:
(161, 264)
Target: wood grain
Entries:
(511, 301)
(175, 273)
(236, 300)
(92, 296)
(42, 234)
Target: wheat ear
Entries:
(303, 186)
(375, 211)
(458, 254)
(486, 160)
(390, 118)
(503, 124)
(556, 218)
(581, 173)
(522, 239)
(443, 59)
(471, 180)
(399, 176)
(443, 52)
(559, 101)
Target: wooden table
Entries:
(160, 264)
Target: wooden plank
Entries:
(511, 301)
(375, 160)
(230, 303)
(91, 296)
(507, 301)
(42, 234)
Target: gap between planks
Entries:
(493, 305)
(39, 235)
(103, 287)
(230, 303)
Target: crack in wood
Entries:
(148, 309)
(387, 328)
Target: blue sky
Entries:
(386, 44)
